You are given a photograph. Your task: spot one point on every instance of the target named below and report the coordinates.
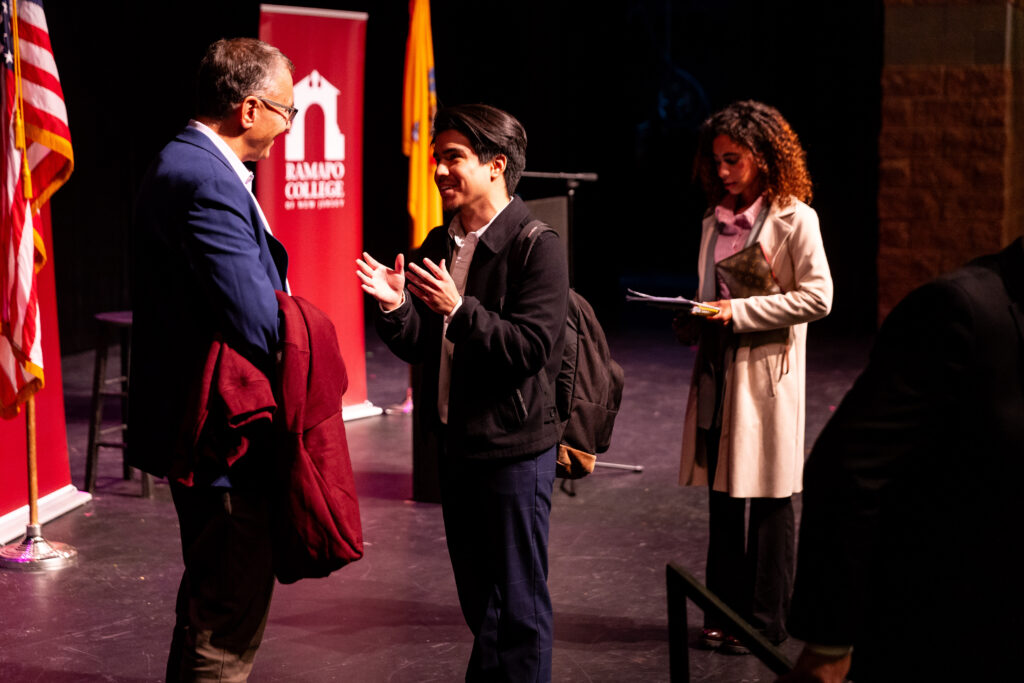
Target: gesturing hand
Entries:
(384, 284)
(434, 286)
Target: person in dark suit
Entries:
(908, 560)
(488, 332)
(206, 267)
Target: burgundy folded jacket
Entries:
(319, 528)
(316, 524)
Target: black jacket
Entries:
(910, 531)
(508, 339)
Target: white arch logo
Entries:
(315, 90)
(319, 183)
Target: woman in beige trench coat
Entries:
(744, 423)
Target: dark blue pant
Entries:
(496, 519)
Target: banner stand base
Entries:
(51, 506)
(360, 410)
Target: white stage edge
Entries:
(360, 410)
(50, 506)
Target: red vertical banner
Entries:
(57, 495)
(311, 187)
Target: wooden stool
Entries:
(119, 322)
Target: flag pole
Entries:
(35, 553)
(33, 467)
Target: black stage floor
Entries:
(393, 616)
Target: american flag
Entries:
(37, 160)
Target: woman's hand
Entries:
(434, 285)
(384, 284)
(724, 314)
(816, 668)
(686, 327)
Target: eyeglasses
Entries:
(288, 113)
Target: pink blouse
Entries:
(733, 230)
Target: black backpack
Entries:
(588, 388)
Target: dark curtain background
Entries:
(616, 90)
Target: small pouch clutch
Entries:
(748, 273)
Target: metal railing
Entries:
(682, 585)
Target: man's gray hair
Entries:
(231, 70)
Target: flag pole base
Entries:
(36, 554)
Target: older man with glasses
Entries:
(206, 269)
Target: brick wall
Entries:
(948, 148)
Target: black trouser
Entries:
(750, 567)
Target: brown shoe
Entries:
(733, 646)
(712, 638)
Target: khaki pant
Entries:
(225, 591)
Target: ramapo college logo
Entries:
(316, 184)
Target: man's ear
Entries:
(247, 112)
(498, 164)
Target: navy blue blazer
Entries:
(203, 265)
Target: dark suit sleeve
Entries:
(223, 251)
(876, 453)
(518, 341)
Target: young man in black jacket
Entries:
(488, 331)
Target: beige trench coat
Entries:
(761, 453)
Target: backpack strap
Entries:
(525, 240)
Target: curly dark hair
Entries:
(776, 149)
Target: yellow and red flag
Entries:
(37, 160)
(419, 104)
